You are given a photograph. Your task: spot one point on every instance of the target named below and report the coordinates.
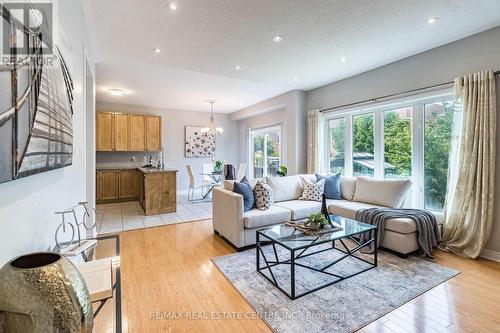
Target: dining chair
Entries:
(242, 169)
(193, 186)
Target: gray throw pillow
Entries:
(263, 195)
(332, 186)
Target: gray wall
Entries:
(292, 107)
(173, 124)
(277, 117)
(443, 64)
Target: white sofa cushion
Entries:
(383, 192)
(300, 209)
(257, 218)
(310, 177)
(285, 188)
(347, 187)
(347, 208)
(401, 225)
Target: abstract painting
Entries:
(199, 144)
(36, 113)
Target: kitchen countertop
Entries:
(115, 168)
(156, 170)
(141, 169)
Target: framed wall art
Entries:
(199, 144)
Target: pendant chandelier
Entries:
(212, 129)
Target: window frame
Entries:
(252, 132)
(417, 103)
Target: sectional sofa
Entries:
(239, 227)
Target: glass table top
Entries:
(293, 239)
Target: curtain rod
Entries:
(392, 95)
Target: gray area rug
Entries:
(343, 307)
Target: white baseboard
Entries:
(490, 254)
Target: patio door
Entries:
(265, 151)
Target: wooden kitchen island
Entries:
(154, 188)
(158, 190)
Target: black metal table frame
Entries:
(116, 287)
(292, 261)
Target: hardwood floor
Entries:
(169, 284)
(168, 270)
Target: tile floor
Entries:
(117, 217)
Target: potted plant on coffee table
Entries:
(316, 221)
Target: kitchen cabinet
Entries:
(155, 189)
(107, 185)
(127, 132)
(121, 132)
(117, 185)
(104, 131)
(127, 184)
(153, 133)
(137, 133)
(159, 192)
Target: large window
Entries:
(437, 141)
(397, 143)
(265, 151)
(336, 146)
(363, 147)
(400, 139)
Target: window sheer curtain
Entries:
(471, 176)
(315, 141)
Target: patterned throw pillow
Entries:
(263, 195)
(313, 191)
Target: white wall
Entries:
(443, 64)
(173, 124)
(27, 206)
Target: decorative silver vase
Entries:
(43, 292)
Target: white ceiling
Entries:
(203, 40)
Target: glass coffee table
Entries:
(297, 244)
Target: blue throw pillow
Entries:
(332, 186)
(245, 189)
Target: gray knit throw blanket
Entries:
(428, 231)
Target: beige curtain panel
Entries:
(471, 180)
(314, 141)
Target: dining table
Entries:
(216, 177)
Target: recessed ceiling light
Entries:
(432, 20)
(295, 78)
(115, 92)
(172, 5)
(278, 38)
(237, 67)
(156, 50)
(343, 59)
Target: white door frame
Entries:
(89, 154)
